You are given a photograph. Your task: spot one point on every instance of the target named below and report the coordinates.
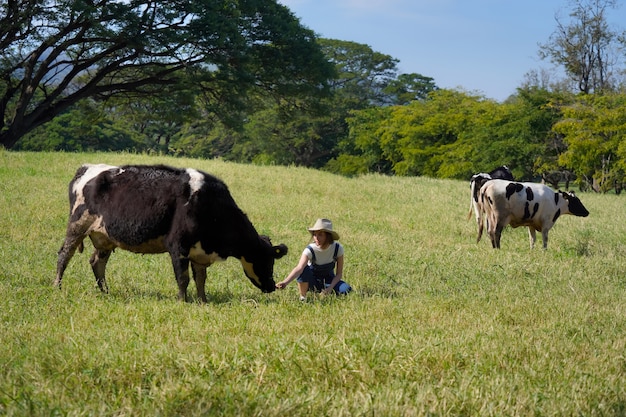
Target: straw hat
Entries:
(326, 226)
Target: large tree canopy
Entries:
(58, 52)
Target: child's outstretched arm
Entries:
(295, 272)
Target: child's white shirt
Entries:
(324, 256)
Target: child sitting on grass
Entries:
(320, 268)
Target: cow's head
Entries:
(574, 205)
(259, 266)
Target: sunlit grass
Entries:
(437, 324)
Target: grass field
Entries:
(437, 324)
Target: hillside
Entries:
(437, 323)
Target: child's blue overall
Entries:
(320, 276)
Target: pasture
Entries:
(437, 324)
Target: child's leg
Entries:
(304, 280)
(342, 288)
(303, 287)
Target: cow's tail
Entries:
(469, 214)
(474, 199)
(480, 218)
(472, 186)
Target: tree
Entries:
(409, 87)
(361, 151)
(586, 46)
(594, 128)
(157, 118)
(308, 131)
(84, 127)
(363, 74)
(58, 52)
(452, 134)
(413, 139)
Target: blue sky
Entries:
(483, 46)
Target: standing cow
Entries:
(478, 180)
(156, 209)
(524, 204)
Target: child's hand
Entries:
(281, 285)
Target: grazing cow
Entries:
(156, 209)
(524, 204)
(478, 180)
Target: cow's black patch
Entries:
(529, 194)
(556, 215)
(535, 209)
(512, 188)
(502, 172)
(78, 213)
(557, 196)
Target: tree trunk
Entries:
(8, 139)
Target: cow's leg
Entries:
(491, 231)
(493, 241)
(497, 236)
(492, 238)
(66, 252)
(181, 272)
(480, 223)
(532, 235)
(199, 276)
(544, 238)
(98, 262)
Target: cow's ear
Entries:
(280, 251)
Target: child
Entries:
(316, 269)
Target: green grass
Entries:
(437, 324)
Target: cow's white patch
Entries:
(196, 180)
(198, 255)
(93, 170)
(98, 226)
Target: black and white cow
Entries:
(478, 180)
(524, 204)
(155, 209)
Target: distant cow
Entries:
(156, 209)
(524, 204)
(478, 180)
